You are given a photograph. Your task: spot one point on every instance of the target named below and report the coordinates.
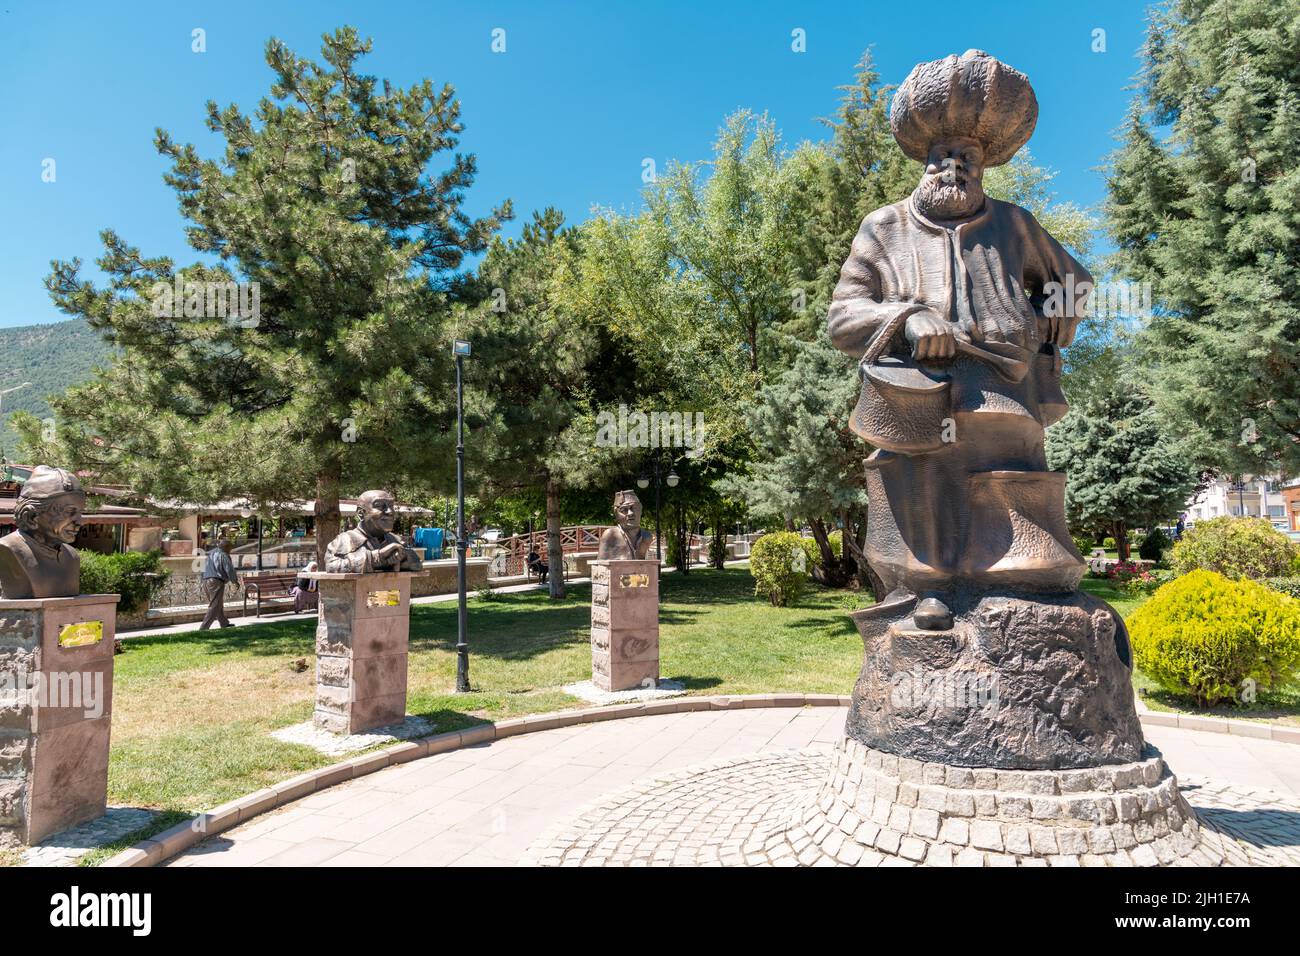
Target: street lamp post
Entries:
(660, 479)
(461, 349)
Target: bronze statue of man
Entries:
(626, 541)
(38, 560)
(957, 305)
(371, 546)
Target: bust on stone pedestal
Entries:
(363, 629)
(55, 762)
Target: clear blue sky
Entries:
(564, 117)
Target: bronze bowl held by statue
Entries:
(902, 407)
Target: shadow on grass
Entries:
(695, 683)
(264, 640)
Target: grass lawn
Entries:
(192, 712)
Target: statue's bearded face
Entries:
(58, 520)
(378, 515)
(628, 514)
(952, 187)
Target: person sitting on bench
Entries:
(537, 565)
(304, 590)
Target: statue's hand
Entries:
(930, 336)
(389, 554)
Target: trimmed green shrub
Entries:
(780, 562)
(1154, 546)
(1204, 634)
(1236, 547)
(135, 575)
(1289, 586)
(836, 539)
(1110, 544)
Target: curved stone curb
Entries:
(1218, 725)
(163, 846)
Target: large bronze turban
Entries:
(972, 95)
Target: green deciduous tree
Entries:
(1204, 203)
(324, 202)
(542, 370)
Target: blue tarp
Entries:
(431, 540)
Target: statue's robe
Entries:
(355, 552)
(32, 569)
(989, 275)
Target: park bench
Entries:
(273, 588)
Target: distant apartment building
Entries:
(1252, 497)
(1291, 497)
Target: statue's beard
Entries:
(937, 199)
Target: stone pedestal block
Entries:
(361, 647)
(56, 704)
(624, 624)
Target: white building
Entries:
(1253, 497)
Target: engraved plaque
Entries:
(384, 599)
(81, 635)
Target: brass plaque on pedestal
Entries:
(384, 599)
(83, 634)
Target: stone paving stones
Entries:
(783, 809)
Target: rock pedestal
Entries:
(1029, 682)
(624, 624)
(1009, 738)
(361, 648)
(56, 695)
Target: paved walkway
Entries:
(486, 805)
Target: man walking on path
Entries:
(218, 571)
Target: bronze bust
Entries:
(626, 541)
(38, 560)
(371, 546)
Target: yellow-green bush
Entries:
(780, 563)
(1237, 547)
(1205, 634)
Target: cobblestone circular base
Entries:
(806, 808)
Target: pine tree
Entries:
(323, 203)
(1204, 204)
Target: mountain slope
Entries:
(52, 357)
